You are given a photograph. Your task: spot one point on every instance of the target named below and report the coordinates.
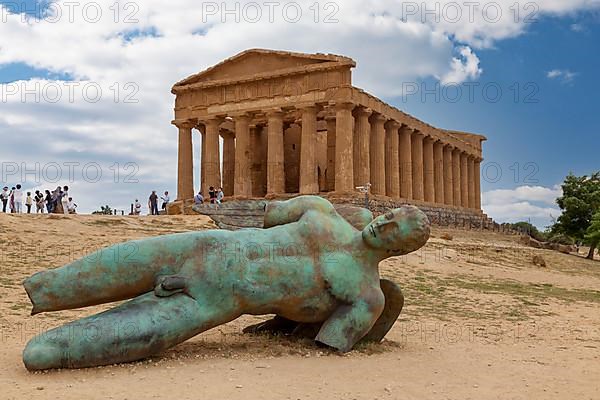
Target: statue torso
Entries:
(302, 270)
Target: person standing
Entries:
(5, 195)
(39, 202)
(11, 200)
(137, 207)
(28, 202)
(65, 200)
(212, 194)
(56, 203)
(165, 201)
(18, 199)
(153, 203)
(48, 200)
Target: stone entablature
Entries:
(275, 111)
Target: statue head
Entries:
(397, 232)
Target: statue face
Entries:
(400, 231)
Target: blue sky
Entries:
(555, 122)
(138, 53)
(545, 124)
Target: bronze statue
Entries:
(309, 266)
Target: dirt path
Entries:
(480, 322)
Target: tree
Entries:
(592, 235)
(531, 230)
(579, 202)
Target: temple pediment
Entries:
(259, 63)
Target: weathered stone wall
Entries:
(238, 214)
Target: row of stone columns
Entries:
(362, 147)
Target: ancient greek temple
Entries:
(276, 123)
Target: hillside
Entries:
(481, 321)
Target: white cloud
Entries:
(564, 76)
(525, 203)
(464, 68)
(577, 27)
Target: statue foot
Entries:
(131, 331)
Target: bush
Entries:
(560, 238)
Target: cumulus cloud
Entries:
(525, 203)
(134, 54)
(464, 68)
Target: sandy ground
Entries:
(480, 322)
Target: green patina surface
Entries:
(308, 265)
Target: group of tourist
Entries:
(215, 197)
(153, 204)
(57, 201)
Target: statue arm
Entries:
(351, 322)
(286, 212)
(358, 217)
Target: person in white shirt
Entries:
(28, 202)
(18, 199)
(71, 206)
(138, 207)
(219, 197)
(65, 199)
(165, 199)
(199, 199)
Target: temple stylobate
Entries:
(275, 123)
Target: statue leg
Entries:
(394, 301)
(132, 331)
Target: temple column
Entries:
(464, 181)
(258, 150)
(428, 163)
(228, 162)
(344, 169)
(275, 166)
(211, 163)
(185, 162)
(417, 165)
(471, 176)
(477, 168)
(438, 171)
(456, 178)
(392, 160)
(202, 129)
(308, 170)
(405, 159)
(362, 129)
(377, 154)
(243, 180)
(331, 139)
(448, 181)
